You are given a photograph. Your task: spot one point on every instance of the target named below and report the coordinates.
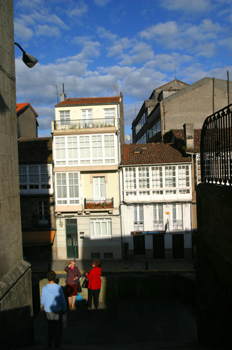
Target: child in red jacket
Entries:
(94, 286)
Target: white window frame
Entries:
(99, 189)
(64, 117)
(158, 217)
(143, 180)
(83, 150)
(138, 217)
(177, 216)
(68, 188)
(35, 178)
(130, 181)
(109, 116)
(100, 228)
(87, 118)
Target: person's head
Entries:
(51, 276)
(96, 263)
(71, 262)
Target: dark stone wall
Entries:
(15, 274)
(214, 265)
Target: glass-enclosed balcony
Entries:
(83, 124)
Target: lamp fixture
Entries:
(29, 60)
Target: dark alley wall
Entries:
(214, 265)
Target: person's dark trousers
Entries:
(55, 328)
(93, 294)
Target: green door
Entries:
(71, 238)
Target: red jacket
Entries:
(71, 274)
(94, 277)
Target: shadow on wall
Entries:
(14, 321)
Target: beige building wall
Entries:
(194, 104)
(97, 112)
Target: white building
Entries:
(87, 134)
(156, 201)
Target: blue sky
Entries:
(102, 47)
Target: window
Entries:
(43, 212)
(143, 179)
(170, 178)
(100, 228)
(138, 217)
(99, 189)
(158, 217)
(183, 176)
(97, 149)
(84, 149)
(64, 117)
(109, 115)
(157, 179)
(23, 176)
(130, 181)
(35, 177)
(109, 148)
(72, 150)
(67, 188)
(177, 217)
(86, 118)
(60, 150)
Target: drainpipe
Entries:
(228, 87)
(213, 95)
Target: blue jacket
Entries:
(52, 298)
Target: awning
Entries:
(38, 237)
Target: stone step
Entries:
(148, 346)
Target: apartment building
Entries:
(87, 134)
(156, 182)
(176, 103)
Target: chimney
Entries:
(189, 135)
(63, 95)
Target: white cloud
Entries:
(77, 10)
(46, 30)
(141, 52)
(190, 6)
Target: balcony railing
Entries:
(36, 221)
(177, 225)
(83, 124)
(216, 148)
(105, 204)
(158, 225)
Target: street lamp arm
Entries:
(29, 60)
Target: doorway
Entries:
(158, 246)
(139, 245)
(178, 246)
(71, 238)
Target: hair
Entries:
(69, 262)
(96, 263)
(51, 275)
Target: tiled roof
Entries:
(35, 151)
(22, 106)
(83, 101)
(151, 153)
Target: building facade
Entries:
(176, 103)
(87, 134)
(27, 123)
(156, 202)
(36, 185)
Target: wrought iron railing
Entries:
(216, 148)
(90, 203)
(83, 124)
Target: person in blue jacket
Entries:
(55, 306)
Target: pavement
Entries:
(118, 266)
(125, 324)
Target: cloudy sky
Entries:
(102, 47)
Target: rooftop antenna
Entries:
(55, 86)
(116, 88)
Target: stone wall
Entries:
(141, 286)
(214, 264)
(15, 275)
